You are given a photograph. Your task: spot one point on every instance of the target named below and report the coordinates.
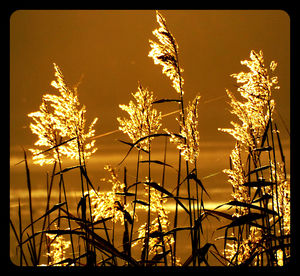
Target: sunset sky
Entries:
(106, 51)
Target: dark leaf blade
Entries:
(172, 231)
(57, 232)
(262, 198)
(54, 208)
(258, 170)
(82, 206)
(102, 244)
(140, 202)
(125, 194)
(198, 181)
(265, 134)
(250, 206)
(156, 162)
(245, 219)
(219, 213)
(132, 145)
(166, 101)
(127, 216)
(268, 148)
(126, 244)
(60, 144)
(84, 173)
(60, 232)
(163, 190)
(67, 169)
(201, 253)
(279, 143)
(28, 180)
(258, 184)
(159, 256)
(14, 230)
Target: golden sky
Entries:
(107, 50)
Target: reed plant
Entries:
(130, 225)
(260, 228)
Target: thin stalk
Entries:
(62, 183)
(82, 191)
(176, 205)
(190, 210)
(49, 189)
(149, 200)
(135, 197)
(163, 184)
(34, 256)
(89, 203)
(187, 165)
(276, 185)
(164, 166)
(20, 236)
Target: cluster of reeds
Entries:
(130, 224)
(260, 225)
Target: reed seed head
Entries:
(189, 143)
(58, 246)
(257, 108)
(109, 204)
(60, 119)
(165, 53)
(237, 179)
(144, 119)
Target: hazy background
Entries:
(108, 51)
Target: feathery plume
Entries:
(165, 53)
(65, 120)
(109, 204)
(144, 119)
(240, 253)
(58, 249)
(237, 179)
(189, 143)
(45, 126)
(282, 196)
(159, 224)
(257, 109)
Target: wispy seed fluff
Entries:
(59, 119)
(143, 118)
(189, 143)
(165, 53)
(257, 109)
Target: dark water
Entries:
(212, 160)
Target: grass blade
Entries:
(163, 190)
(250, 206)
(54, 208)
(194, 177)
(201, 252)
(218, 213)
(60, 144)
(102, 244)
(246, 219)
(132, 145)
(258, 170)
(157, 162)
(265, 133)
(258, 184)
(30, 207)
(268, 148)
(166, 101)
(67, 169)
